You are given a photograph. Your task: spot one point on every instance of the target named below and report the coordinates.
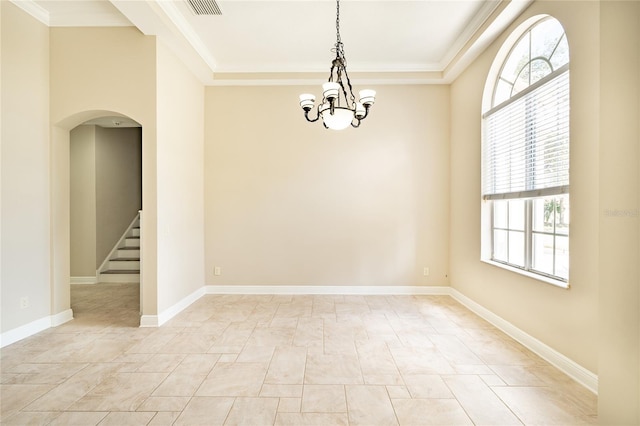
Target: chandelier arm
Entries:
(306, 115)
(366, 112)
(358, 123)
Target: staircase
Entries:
(123, 264)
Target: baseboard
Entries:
(84, 280)
(174, 310)
(167, 314)
(34, 327)
(119, 278)
(61, 318)
(319, 290)
(577, 372)
(149, 321)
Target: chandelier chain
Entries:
(338, 40)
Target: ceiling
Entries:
(290, 42)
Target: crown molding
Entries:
(34, 9)
(178, 20)
(500, 18)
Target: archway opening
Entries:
(66, 224)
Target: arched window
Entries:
(525, 153)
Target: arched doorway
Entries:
(106, 198)
(60, 214)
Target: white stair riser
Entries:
(119, 278)
(129, 254)
(135, 232)
(132, 242)
(124, 264)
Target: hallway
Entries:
(244, 359)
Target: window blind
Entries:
(526, 142)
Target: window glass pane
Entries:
(562, 257)
(561, 55)
(518, 58)
(539, 69)
(516, 248)
(500, 245)
(516, 214)
(538, 218)
(542, 253)
(500, 214)
(545, 37)
(562, 215)
(503, 92)
(523, 80)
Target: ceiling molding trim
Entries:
(34, 9)
(322, 68)
(503, 16)
(316, 78)
(396, 82)
(484, 14)
(183, 26)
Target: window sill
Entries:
(548, 280)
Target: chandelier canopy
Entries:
(339, 108)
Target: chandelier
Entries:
(339, 108)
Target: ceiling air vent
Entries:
(205, 7)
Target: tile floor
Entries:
(283, 360)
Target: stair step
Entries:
(132, 242)
(119, 276)
(124, 264)
(135, 232)
(128, 253)
(121, 271)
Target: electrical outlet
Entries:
(425, 271)
(217, 270)
(24, 302)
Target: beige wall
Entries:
(118, 185)
(82, 148)
(619, 191)
(180, 146)
(25, 228)
(595, 323)
(566, 320)
(291, 203)
(95, 72)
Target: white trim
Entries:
(578, 373)
(558, 283)
(34, 327)
(485, 37)
(187, 31)
(84, 280)
(174, 310)
(61, 317)
(394, 81)
(313, 290)
(22, 332)
(149, 321)
(34, 9)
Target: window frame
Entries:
(488, 233)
